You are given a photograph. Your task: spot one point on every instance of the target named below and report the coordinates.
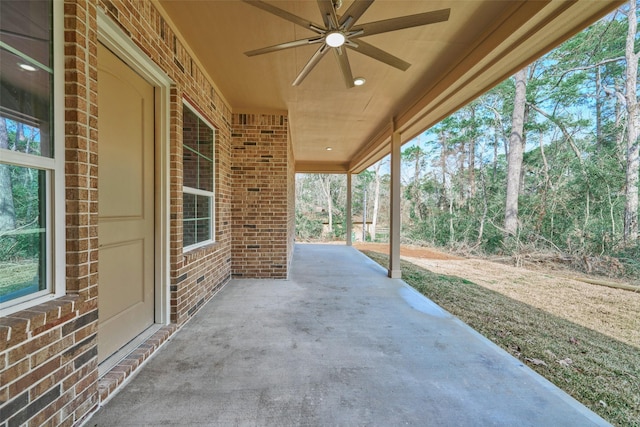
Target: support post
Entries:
(349, 215)
(394, 232)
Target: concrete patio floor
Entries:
(337, 344)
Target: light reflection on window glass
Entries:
(22, 231)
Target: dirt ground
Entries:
(613, 312)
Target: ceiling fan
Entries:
(340, 32)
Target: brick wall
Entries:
(48, 353)
(198, 274)
(262, 193)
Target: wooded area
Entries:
(547, 162)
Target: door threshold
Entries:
(111, 361)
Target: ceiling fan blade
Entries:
(312, 63)
(345, 67)
(379, 54)
(283, 46)
(354, 12)
(328, 14)
(409, 21)
(285, 15)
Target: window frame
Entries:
(196, 191)
(54, 191)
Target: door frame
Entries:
(111, 36)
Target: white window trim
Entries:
(55, 200)
(198, 192)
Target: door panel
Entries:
(125, 204)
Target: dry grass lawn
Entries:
(582, 337)
(612, 312)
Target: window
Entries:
(28, 164)
(198, 180)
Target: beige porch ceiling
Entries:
(453, 62)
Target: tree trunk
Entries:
(325, 183)
(598, 110)
(619, 123)
(452, 230)
(462, 197)
(472, 159)
(364, 215)
(495, 152)
(516, 150)
(485, 209)
(7, 211)
(417, 211)
(633, 123)
(443, 167)
(376, 202)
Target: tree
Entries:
(516, 150)
(633, 125)
(376, 199)
(325, 184)
(7, 209)
(416, 155)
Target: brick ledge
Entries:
(116, 377)
(21, 326)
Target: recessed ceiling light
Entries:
(328, 148)
(335, 39)
(359, 81)
(27, 67)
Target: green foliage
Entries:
(308, 227)
(629, 256)
(572, 195)
(339, 223)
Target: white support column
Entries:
(394, 232)
(349, 215)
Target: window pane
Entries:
(203, 230)
(204, 207)
(204, 218)
(205, 164)
(22, 231)
(189, 215)
(188, 206)
(190, 168)
(24, 136)
(205, 140)
(190, 129)
(205, 169)
(188, 233)
(25, 75)
(26, 26)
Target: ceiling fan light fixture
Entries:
(335, 39)
(359, 81)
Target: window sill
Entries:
(196, 252)
(23, 325)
